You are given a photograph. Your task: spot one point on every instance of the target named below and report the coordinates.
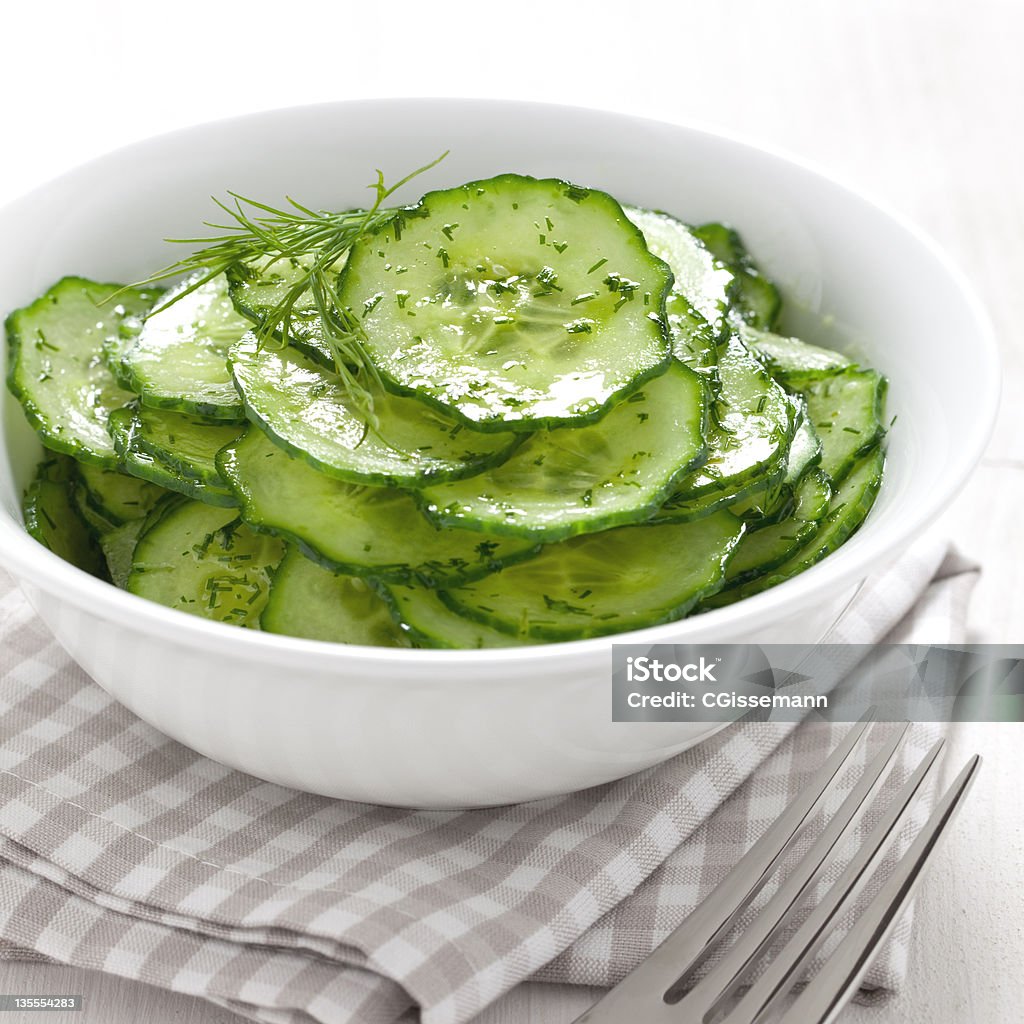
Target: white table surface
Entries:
(919, 103)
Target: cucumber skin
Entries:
(373, 479)
(36, 419)
(54, 480)
(646, 512)
(812, 555)
(146, 464)
(155, 472)
(396, 573)
(498, 424)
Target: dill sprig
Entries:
(258, 235)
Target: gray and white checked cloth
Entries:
(123, 851)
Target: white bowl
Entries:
(463, 728)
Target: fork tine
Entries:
(763, 997)
(726, 976)
(716, 914)
(828, 992)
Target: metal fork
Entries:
(657, 991)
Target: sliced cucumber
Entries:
(431, 623)
(699, 278)
(179, 359)
(310, 601)
(118, 546)
(205, 561)
(305, 409)
(256, 293)
(775, 503)
(847, 510)
(692, 337)
(174, 450)
(513, 303)
(764, 549)
(53, 519)
(117, 497)
(55, 367)
(362, 531)
(751, 295)
(565, 482)
(790, 359)
(846, 410)
(607, 582)
(751, 427)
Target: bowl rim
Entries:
(33, 564)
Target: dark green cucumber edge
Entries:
(548, 423)
(32, 414)
(410, 483)
(399, 573)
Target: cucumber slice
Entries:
(565, 482)
(256, 292)
(513, 303)
(603, 583)
(766, 548)
(55, 367)
(846, 410)
(362, 531)
(751, 295)
(53, 519)
(174, 450)
(310, 601)
(700, 279)
(117, 497)
(118, 547)
(431, 623)
(692, 337)
(794, 361)
(179, 359)
(776, 502)
(751, 428)
(305, 409)
(847, 510)
(205, 561)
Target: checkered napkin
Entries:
(123, 851)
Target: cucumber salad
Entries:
(515, 412)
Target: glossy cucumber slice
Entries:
(310, 601)
(846, 410)
(692, 337)
(602, 583)
(53, 519)
(174, 450)
(565, 482)
(256, 292)
(179, 358)
(55, 367)
(117, 497)
(700, 279)
(363, 531)
(750, 429)
(766, 548)
(847, 510)
(776, 502)
(752, 296)
(513, 302)
(305, 409)
(790, 359)
(205, 561)
(431, 623)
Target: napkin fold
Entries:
(123, 851)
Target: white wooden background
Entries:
(918, 102)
